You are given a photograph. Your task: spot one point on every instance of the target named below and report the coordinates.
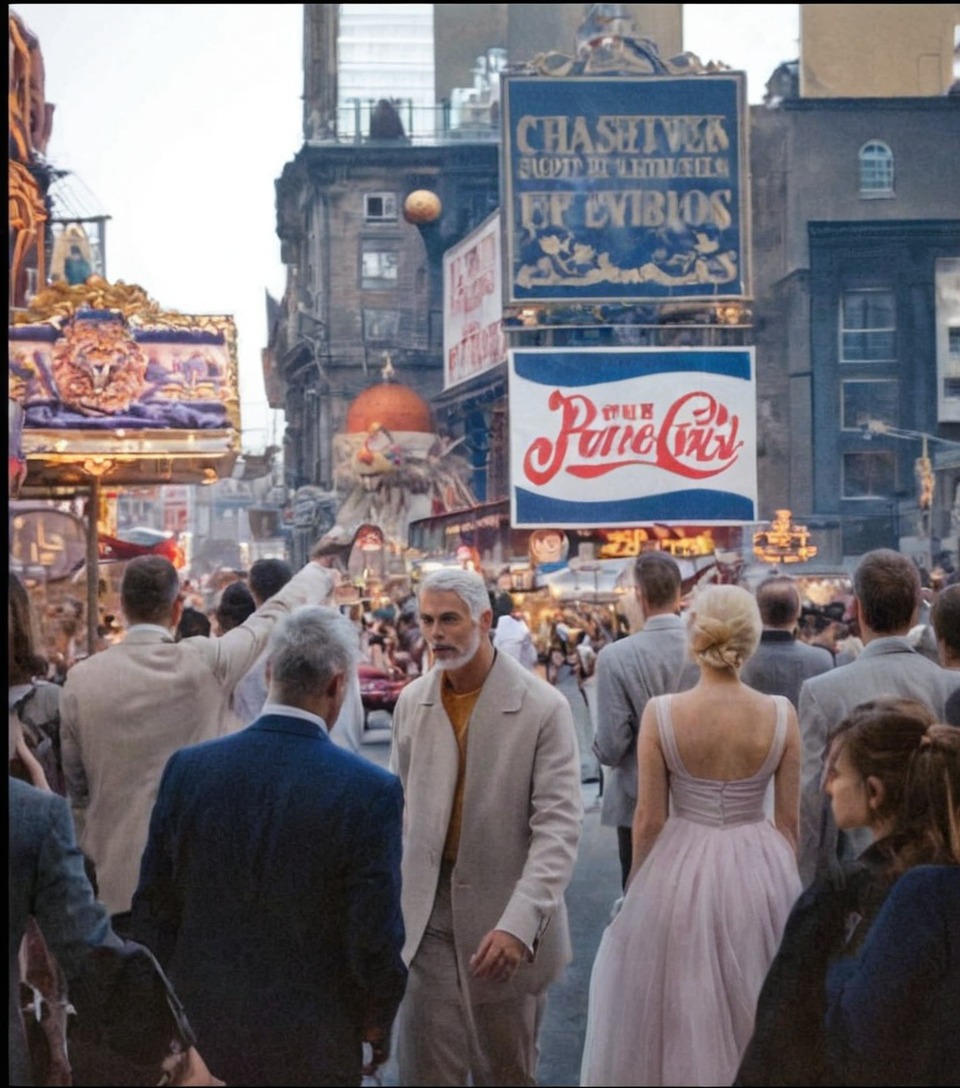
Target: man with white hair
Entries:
(488, 758)
(270, 886)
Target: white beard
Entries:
(447, 663)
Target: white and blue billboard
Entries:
(618, 437)
(625, 189)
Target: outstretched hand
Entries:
(498, 956)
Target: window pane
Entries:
(868, 310)
(876, 169)
(381, 324)
(868, 326)
(378, 206)
(869, 475)
(865, 347)
(379, 268)
(866, 401)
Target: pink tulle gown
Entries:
(677, 975)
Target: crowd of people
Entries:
(220, 892)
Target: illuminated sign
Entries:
(120, 397)
(625, 188)
(613, 437)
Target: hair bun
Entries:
(723, 628)
(707, 632)
(710, 642)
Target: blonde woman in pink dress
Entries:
(677, 975)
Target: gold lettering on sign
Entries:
(688, 221)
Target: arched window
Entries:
(876, 169)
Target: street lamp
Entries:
(783, 542)
(923, 466)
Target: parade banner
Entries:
(625, 188)
(612, 437)
(473, 340)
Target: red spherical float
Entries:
(389, 405)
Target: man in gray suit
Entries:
(782, 662)
(629, 672)
(886, 603)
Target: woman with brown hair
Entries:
(893, 1014)
(880, 776)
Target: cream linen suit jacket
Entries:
(522, 815)
(126, 710)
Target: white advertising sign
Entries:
(473, 339)
(612, 437)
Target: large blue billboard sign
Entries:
(625, 189)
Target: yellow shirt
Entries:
(459, 707)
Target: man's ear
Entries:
(334, 686)
(176, 612)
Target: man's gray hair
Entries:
(308, 648)
(466, 584)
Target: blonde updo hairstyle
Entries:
(723, 627)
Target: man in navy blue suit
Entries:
(270, 885)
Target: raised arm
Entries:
(238, 650)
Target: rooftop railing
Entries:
(382, 123)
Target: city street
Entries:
(595, 886)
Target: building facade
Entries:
(856, 239)
(855, 210)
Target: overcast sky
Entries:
(180, 117)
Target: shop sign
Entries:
(473, 340)
(625, 188)
(612, 437)
(132, 402)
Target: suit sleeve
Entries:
(375, 923)
(879, 1001)
(556, 816)
(617, 722)
(155, 908)
(75, 777)
(814, 728)
(237, 651)
(71, 919)
(122, 998)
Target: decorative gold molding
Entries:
(61, 300)
(617, 55)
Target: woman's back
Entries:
(718, 795)
(679, 969)
(723, 735)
